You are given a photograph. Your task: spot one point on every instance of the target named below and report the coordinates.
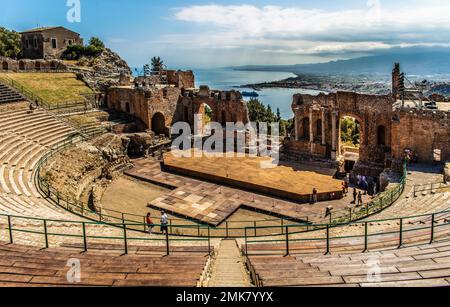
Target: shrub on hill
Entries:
(93, 50)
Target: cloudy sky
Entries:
(193, 34)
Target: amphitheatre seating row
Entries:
(25, 139)
(420, 265)
(8, 95)
(27, 266)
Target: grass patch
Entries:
(53, 88)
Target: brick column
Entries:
(323, 127)
(334, 115)
(311, 126)
(297, 132)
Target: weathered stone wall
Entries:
(181, 79)
(151, 104)
(425, 132)
(7, 64)
(317, 124)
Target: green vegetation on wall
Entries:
(350, 131)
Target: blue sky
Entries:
(193, 34)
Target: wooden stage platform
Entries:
(246, 173)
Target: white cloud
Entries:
(315, 31)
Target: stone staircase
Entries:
(229, 269)
(8, 95)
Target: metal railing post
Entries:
(11, 241)
(45, 234)
(366, 237)
(125, 241)
(328, 240)
(209, 241)
(282, 226)
(287, 242)
(245, 235)
(198, 230)
(167, 244)
(84, 237)
(145, 224)
(226, 225)
(254, 226)
(433, 220)
(401, 234)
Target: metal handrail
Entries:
(83, 210)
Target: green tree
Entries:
(157, 64)
(278, 115)
(10, 43)
(97, 43)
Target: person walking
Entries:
(149, 222)
(344, 191)
(360, 200)
(164, 222)
(355, 194)
(314, 196)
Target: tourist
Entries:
(164, 222)
(344, 190)
(150, 224)
(328, 211)
(314, 196)
(355, 193)
(31, 106)
(346, 187)
(360, 200)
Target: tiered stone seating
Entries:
(26, 137)
(8, 95)
(27, 266)
(421, 265)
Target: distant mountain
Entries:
(417, 62)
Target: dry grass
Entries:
(52, 87)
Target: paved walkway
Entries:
(229, 269)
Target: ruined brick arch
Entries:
(5, 65)
(159, 124)
(21, 65)
(37, 65)
(381, 135)
(318, 129)
(305, 128)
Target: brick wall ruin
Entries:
(386, 130)
(159, 106)
(7, 64)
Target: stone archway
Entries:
(37, 65)
(159, 124)
(21, 65)
(5, 65)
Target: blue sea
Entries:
(227, 79)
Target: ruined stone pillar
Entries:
(334, 116)
(311, 126)
(323, 127)
(297, 132)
